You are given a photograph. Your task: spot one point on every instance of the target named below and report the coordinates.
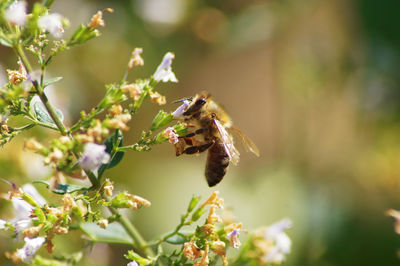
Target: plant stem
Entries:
(40, 91)
(133, 232)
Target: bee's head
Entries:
(191, 105)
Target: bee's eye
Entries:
(200, 102)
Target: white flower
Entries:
(23, 210)
(52, 23)
(16, 13)
(277, 228)
(94, 155)
(3, 223)
(30, 248)
(22, 220)
(132, 263)
(282, 243)
(181, 109)
(164, 71)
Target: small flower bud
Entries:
(32, 232)
(33, 144)
(155, 97)
(103, 223)
(55, 156)
(136, 59)
(212, 216)
(15, 77)
(161, 119)
(68, 202)
(142, 201)
(191, 251)
(97, 20)
(60, 230)
(170, 133)
(64, 139)
(84, 138)
(208, 229)
(193, 203)
(108, 189)
(118, 122)
(116, 109)
(134, 91)
(218, 247)
(54, 211)
(97, 131)
(197, 214)
(214, 200)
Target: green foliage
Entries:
(114, 233)
(40, 112)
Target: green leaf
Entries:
(176, 240)
(41, 113)
(114, 233)
(110, 143)
(51, 81)
(62, 188)
(41, 261)
(136, 257)
(5, 41)
(67, 188)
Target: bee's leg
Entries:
(198, 131)
(180, 146)
(198, 149)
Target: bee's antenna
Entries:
(184, 99)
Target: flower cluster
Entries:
(269, 245)
(36, 222)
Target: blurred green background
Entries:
(314, 83)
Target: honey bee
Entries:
(208, 125)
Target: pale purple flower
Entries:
(16, 13)
(52, 23)
(32, 245)
(132, 263)
(234, 237)
(181, 109)
(282, 243)
(93, 156)
(164, 71)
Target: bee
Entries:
(208, 125)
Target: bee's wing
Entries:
(227, 141)
(247, 142)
